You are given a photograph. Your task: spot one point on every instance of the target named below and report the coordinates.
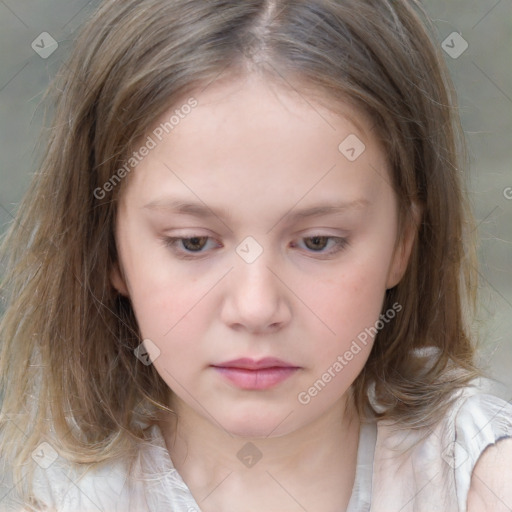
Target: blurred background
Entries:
(475, 36)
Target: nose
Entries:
(256, 300)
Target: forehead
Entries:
(249, 138)
(253, 105)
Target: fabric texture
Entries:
(397, 470)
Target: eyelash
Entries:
(172, 243)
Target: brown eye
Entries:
(316, 243)
(195, 243)
(191, 247)
(321, 246)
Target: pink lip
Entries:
(247, 363)
(248, 373)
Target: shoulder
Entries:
(482, 454)
(67, 487)
(49, 481)
(491, 489)
(483, 434)
(146, 480)
(455, 464)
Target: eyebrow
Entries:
(201, 210)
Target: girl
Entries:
(239, 280)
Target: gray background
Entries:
(482, 75)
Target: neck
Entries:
(311, 468)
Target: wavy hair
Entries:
(68, 338)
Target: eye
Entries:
(316, 243)
(194, 244)
(197, 246)
(324, 245)
(186, 247)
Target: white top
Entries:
(433, 474)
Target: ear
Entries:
(118, 280)
(403, 247)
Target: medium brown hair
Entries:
(68, 337)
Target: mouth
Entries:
(250, 374)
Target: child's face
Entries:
(251, 161)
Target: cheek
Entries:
(166, 307)
(161, 291)
(175, 322)
(349, 302)
(349, 308)
(169, 306)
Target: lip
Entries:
(251, 374)
(246, 363)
